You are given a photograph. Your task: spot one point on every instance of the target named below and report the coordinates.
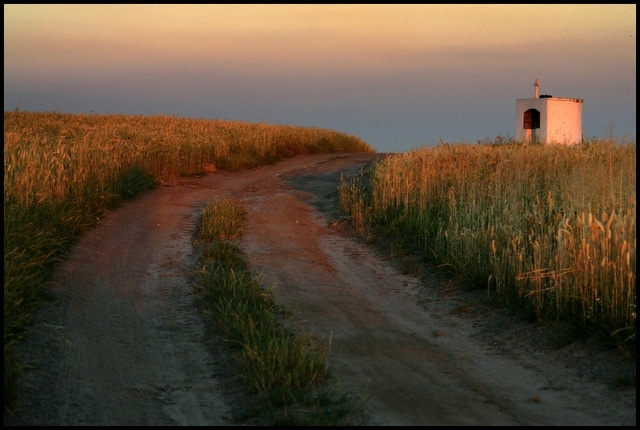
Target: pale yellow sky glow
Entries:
(306, 36)
(378, 71)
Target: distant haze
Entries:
(398, 76)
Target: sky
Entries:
(398, 76)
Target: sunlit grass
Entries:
(62, 172)
(56, 157)
(550, 228)
(222, 220)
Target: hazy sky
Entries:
(398, 76)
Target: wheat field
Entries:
(53, 156)
(549, 227)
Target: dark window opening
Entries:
(531, 119)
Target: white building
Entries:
(547, 119)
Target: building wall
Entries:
(564, 121)
(560, 120)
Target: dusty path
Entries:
(124, 343)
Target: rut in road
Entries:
(125, 344)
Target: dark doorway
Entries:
(531, 119)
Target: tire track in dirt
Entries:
(123, 343)
(378, 333)
(417, 364)
(129, 348)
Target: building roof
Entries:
(556, 98)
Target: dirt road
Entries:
(123, 342)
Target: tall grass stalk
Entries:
(63, 171)
(551, 228)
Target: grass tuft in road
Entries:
(287, 370)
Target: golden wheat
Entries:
(552, 226)
(52, 156)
